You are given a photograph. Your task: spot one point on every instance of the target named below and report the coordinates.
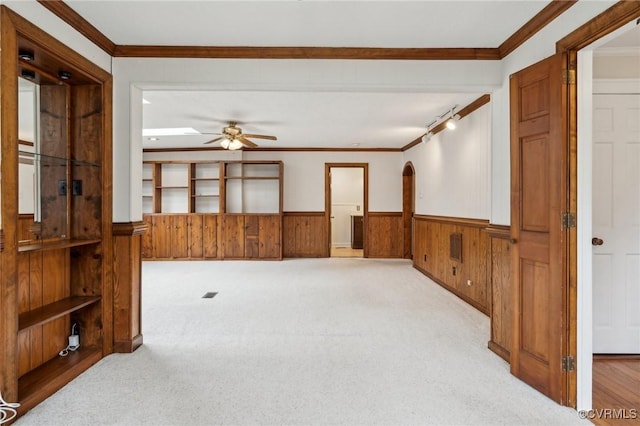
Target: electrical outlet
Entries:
(76, 187)
(62, 187)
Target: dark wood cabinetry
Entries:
(56, 265)
(357, 231)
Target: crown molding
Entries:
(535, 24)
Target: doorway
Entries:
(408, 209)
(346, 208)
(594, 157)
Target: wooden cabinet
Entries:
(252, 237)
(357, 231)
(56, 273)
(213, 210)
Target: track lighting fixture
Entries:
(451, 122)
(445, 120)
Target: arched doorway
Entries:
(408, 207)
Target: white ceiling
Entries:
(305, 119)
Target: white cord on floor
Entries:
(66, 350)
(7, 410)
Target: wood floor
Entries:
(346, 252)
(616, 392)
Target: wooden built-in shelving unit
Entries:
(218, 210)
(56, 261)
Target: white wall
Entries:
(452, 169)
(46, 20)
(304, 174)
(132, 75)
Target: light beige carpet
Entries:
(301, 342)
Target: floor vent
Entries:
(209, 295)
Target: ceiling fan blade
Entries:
(214, 140)
(246, 142)
(273, 138)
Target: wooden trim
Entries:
(327, 202)
(608, 21)
(499, 350)
(616, 357)
(26, 143)
(478, 223)
(535, 24)
(300, 213)
(129, 228)
(300, 149)
(461, 295)
(304, 52)
(385, 214)
(127, 346)
(73, 60)
(499, 231)
(77, 22)
(481, 101)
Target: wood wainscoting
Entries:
(501, 300)
(127, 283)
(384, 235)
(303, 235)
(469, 278)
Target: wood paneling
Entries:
(501, 301)
(179, 236)
(161, 225)
(127, 282)
(468, 279)
(269, 237)
(25, 225)
(210, 236)
(384, 234)
(303, 234)
(196, 236)
(147, 237)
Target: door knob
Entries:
(597, 241)
(512, 240)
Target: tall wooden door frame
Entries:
(408, 208)
(617, 16)
(327, 203)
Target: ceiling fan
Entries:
(232, 138)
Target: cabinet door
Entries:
(179, 237)
(161, 236)
(195, 236)
(233, 232)
(269, 237)
(251, 242)
(147, 237)
(210, 236)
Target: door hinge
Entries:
(568, 220)
(568, 363)
(569, 77)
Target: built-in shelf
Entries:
(56, 245)
(40, 382)
(172, 187)
(253, 177)
(204, 179)
(205, 196)
(54, 310)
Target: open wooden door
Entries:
(539, 167)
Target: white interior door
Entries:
(616, 222)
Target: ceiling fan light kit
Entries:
(233, 139)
